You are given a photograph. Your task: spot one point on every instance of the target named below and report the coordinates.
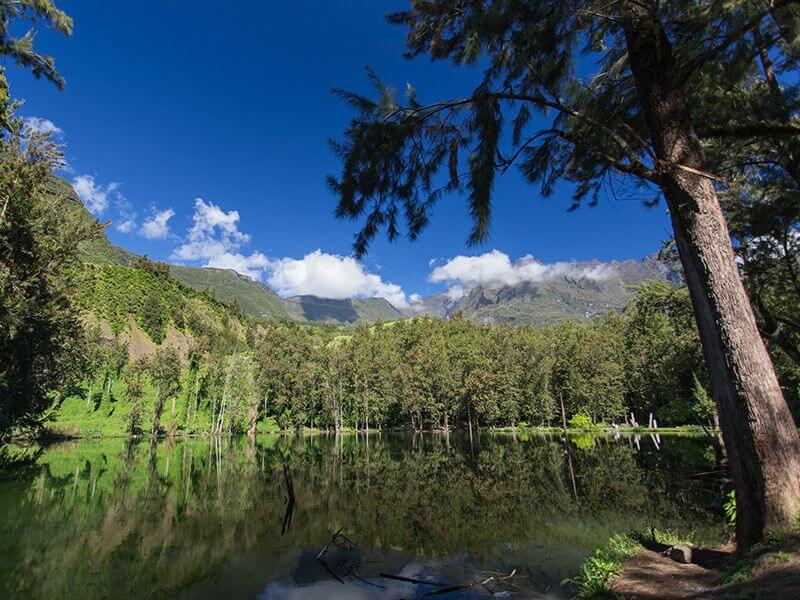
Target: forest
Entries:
(243, 376)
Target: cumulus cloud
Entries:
(214, 240)
(495, 269)
(94, 196)
(125, 226)
(333, 276)
(157, 226)
(125, 219)
(252, 265)
(40, 126)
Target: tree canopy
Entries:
(557, 100)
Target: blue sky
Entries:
(230, 103)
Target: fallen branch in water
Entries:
(412, 580)
(342, 541)
(484, 584)
(328, 543)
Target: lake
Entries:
(248, 518)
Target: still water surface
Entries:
(246, 518)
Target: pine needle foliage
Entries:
(21, 48)
(557, 101)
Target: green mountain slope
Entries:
(349, 310)
(226, 285)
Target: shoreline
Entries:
(667, 567)
(49, 437)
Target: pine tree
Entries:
(629, 122)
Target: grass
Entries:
(109, 417)
(605, 564)
(767, 570)
(765, 556)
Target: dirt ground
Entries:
(650, 575)
(769, 572)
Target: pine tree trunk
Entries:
(757, 427)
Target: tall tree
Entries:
(629, 119)
(39, 330)
(165, 373)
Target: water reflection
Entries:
(243, 517)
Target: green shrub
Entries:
(580, 421)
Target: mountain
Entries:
(554, 299)
(350, 310)
(226, 285)
(528, 303)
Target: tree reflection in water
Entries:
(245, 517)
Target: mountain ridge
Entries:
(535, 303)
(554, 299)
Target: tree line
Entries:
(421, 374)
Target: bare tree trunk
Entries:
(757, 426)
(157, 411)
(366, 404)
(469, 422)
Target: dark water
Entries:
(242, 518)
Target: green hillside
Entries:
(255, 298)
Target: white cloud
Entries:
(40, 126)
(495, 269)
(455, 293)
(125, 221)
(125, 226)
(333, 276)
(157, 226)
(93, 195)
(214, 240)
(253, 265)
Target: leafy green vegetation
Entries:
(602, 566)
(148, 296)
(41, 349)
(254, 298)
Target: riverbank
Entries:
(663, 567)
